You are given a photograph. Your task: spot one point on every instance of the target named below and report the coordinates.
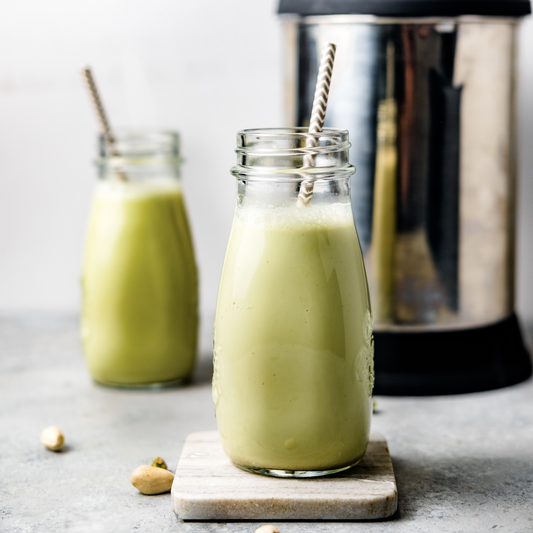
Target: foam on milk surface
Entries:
(291, 217)
(133, 190)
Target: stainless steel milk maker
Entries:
(426, 90)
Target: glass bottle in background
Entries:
(293, 368)
(140, 290)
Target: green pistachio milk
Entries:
(139, 321)
(293, 340)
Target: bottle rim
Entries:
(282, 154)
(139, 144)
(329, 139)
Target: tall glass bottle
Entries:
(293, 344)
(140, 295)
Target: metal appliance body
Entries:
(430, 106)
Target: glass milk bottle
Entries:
(139, 318)
(293, 346)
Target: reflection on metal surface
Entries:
(429, 106)
(381, 254)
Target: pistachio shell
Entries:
(151, 480)
(52, 438)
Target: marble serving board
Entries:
(207, 486)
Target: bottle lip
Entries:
(250, 137)
(284, 154)
(296, 130)
(139, 147)
(291, 141)
(140, 143)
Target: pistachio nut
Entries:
(267, 529)
(52, 438)
(151, 479)
(159, 462)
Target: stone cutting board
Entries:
(207, 486)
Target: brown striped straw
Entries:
(105, 127)
(318, 114)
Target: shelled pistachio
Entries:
(159, 462)
(52, 438)
(267, 529)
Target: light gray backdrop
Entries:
(206, 68)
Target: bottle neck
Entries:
(292, 154)
(275, 166)
(124, 169)
(139, 156)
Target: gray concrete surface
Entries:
(462, 463)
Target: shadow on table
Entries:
(442, 484)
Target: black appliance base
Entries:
(452, 361)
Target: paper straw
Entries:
(105, 127)
(318, 114)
